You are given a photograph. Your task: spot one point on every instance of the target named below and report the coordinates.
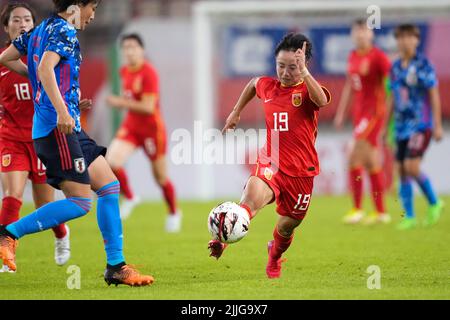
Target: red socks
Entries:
(60, 231)
(376, 180)
(356, 187)
(169, 196)
(280, 245)
(10, 210)
(377, 183)
(124, 185)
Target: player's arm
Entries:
(315, 90)
(146, 105)
(435, 100)
(10, 58)
(246, 96)
(46, 72)
(346, 98)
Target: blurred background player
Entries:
(75, 163)
(417, 114)
(286, 167)
(368, 69)
(143, 128)
(19, 159)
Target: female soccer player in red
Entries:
(367, 73)
(143, 128)
(289, 162)
(19, 159)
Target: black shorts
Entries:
(67, 157)
(414, 147)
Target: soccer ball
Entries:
(228, 222)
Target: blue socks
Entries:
(426, 187)
(50, 215)
(407, 194)
(108, 218)
(407, 197)
(55, 213)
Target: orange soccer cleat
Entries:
(8, 252)
(127, 275)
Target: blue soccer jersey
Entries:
(54, 34)
(410, 89)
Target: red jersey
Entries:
(292, 119)
(136, 84)
(367, 73)
(16, 119)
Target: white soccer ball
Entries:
(228, 222)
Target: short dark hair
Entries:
(407, 28)
(63, 5)
(10, 7)
(133, 36)
(293, 42)
(360, 22)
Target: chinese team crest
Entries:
(297, 100)
(6, 160)
(268, 173)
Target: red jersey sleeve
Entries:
(261, 87)
(150, 81)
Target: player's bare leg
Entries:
(374, 168)
(13, 184)
(43, 194)
(257, 194)
(159, 169)
(104, 183)
(283, 236)
(356, 164)
(118, 154)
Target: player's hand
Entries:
(300, 57)
(115, 101)
(438, 133)
(85, 104)
(232, 122)
(65, 123)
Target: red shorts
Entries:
(21, 156)
(369, 129)
(292, 194)
(154, 142)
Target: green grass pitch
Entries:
(326, 261)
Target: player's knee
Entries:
(161, 179)
(355, 160)
(83, 205)
(412, 169)
(287, 229)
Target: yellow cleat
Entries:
(353, 217)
